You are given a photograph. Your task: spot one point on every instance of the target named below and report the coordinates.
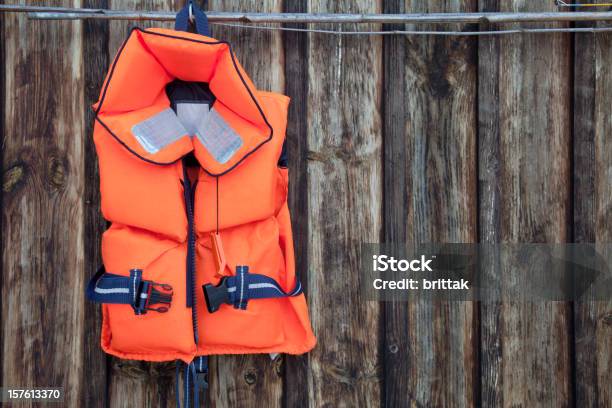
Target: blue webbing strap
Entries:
(200, 379)
(246, 286)
(195, 382)
(200, 19)
(133, 290)
(239, 289)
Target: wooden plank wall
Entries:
(401, 139)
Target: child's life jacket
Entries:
(199, 254)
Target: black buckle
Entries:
(158, 293)
(216, 295)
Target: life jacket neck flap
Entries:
(170, 93)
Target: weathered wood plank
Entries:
(345, 210)
(397, 209)
(585, 208)
(246, 381)
(534, 133)
(3, 136)
(95, 61)
(489, 209)
(295, 390)
(42, 213)
(251, 381)
(592, 215)
(119, 29)
(260, 52)
(430, 187)
(141, 384)
(134, 383)
(3, 103)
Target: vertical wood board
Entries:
(345, 194)
(42, 213)
(592, 214)
(534, 131)
(430, 145)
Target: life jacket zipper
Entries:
(189, 195)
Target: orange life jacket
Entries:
(190, 179)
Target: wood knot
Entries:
(12, 177)
(153, 372)
(250, 377)
(312, 155)
(129, 368)
(350, 374)
(56, 172)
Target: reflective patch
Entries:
(190, 114)
(221, 141)
(159, 130)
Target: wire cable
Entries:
(430, 32)
(561, 3)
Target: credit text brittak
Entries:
(385, 263)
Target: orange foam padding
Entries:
(142, 195)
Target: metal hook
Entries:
(191, 17)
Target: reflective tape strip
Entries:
(245, 286)
(259, 286)
(166, 127)
(191, 114)
(217, 136)
(158, 131)
(117, 290)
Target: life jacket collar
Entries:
(135, 109)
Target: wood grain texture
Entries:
(295, 390)
(489, 203)
(246, 381)
(251, 381)
(592, 211)
(3, 136)
(584, 176)
(260, 52)
(430, 189)
(42, 213)
(534, 130)
(119, 30)
(141, 384)
(95, 61)
(397, 209)
(344, 211)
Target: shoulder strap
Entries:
(198, 18)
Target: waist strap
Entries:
(133, 290)
(239, 289)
